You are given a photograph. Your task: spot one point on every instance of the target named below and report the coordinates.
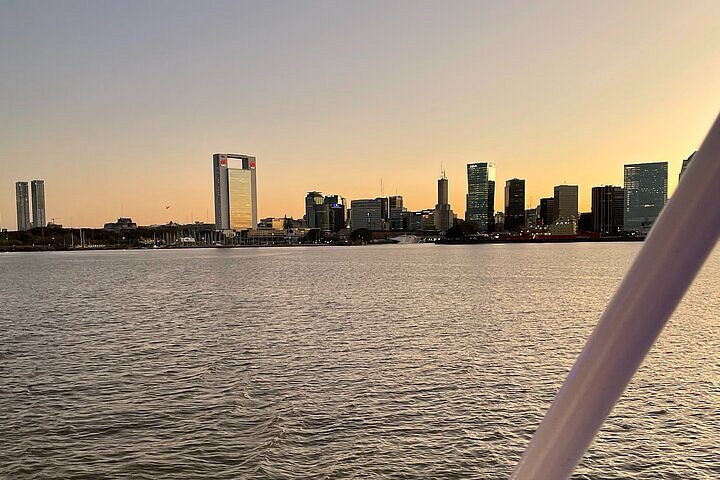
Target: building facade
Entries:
(566, 202)
(607, 210)
(37, 188)
(646, 187)
(370, 214)
(546, 214)
(337, 211)
(22, 202)
(480, 199)
(326, 213)
(444, 216)
(235, 191)
(514, 204)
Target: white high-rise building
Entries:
(235, 191)
(22, 201)
(38, 202)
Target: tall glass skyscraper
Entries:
(38, 202)
(235, 191)
(480, 199)
(646, 187)
(22, 201)
(607, 210)
(514, 204)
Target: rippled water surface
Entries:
(415, 361)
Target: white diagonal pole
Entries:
(679, 242)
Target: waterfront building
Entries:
(607, 210)
(326, 213)
(685, 164)
(235, 191)
(37, 188)
(585, 222)
(395, 201)
(337, 212)
(400, 219)
(564, 227)
(444, 216)
(480, 199)
(531, 217)
(22, 201)
(566, 202)
(312, 201)
(371, 214)
(645, 195)
(499, 220)
(514, 204)
(123, 223)
(547, 211)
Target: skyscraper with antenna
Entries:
(443, 215)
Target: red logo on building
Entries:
(223, 161)
(252, 164)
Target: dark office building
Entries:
(396, 201)
(312, 201)
(480, 199)
(646, 186)
(566, 202)
(607, 210)
(514, 204)
(585, 222)
(372, 214)
(685, 163)
(547, 211)
(444, 216)
(327, 213)
(337, 211)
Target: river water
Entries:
(386, 362)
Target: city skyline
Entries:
(563, 93)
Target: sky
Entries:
(120, 105)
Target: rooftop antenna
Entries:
(662, 271)
(382, 191)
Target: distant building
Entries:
(235, 191)
(686, 163)
(480, 199)
(645, 195)
(327, 213)
(371, 214)
(123, 223)
(566, 202)
(514, 205)
(337, 211)
(564, 227)
(547, 211)
(585, 222)
(38, 203)
(499, 220)
(395, 201)
(443, 215)
(22, 201)
(313, 200)
(531, 217)
(607, 210)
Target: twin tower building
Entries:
(22, 200)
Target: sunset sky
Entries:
(120, 105)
